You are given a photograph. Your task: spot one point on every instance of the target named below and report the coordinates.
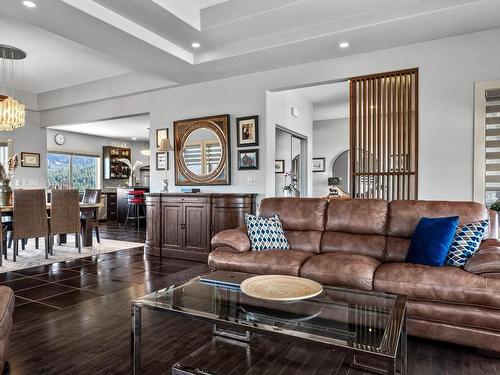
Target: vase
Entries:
(5, 193)
(287, 193)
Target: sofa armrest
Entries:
(234, 239)
(487, 260)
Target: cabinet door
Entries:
(196, 226)
(172, 233)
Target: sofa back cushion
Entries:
(356, 226)
(303, 220)
(404, 217)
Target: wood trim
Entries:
(384, 135)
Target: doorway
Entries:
(291, 163)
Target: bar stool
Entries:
(135, 200)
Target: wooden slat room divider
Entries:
(384, 135)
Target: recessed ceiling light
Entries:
(344, 45)
(195, 45)
(29, 4)
(134, 138)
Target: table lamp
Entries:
(165, 146)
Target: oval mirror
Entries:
(202, 151)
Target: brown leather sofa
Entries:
(362, 244)
(6, 310)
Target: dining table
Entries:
(88, 211)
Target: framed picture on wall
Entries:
(248, 159)
(161, 161)
(318, 165)
(30, 159)
(160, 134)
(247, 130)
(279, 166)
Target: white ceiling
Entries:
(87, 40)
(52, 61)
(123, 128)
(330, 101)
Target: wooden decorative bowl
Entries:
(280, 288)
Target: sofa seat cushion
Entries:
(444, 284)
(341, 269)
(280, 262)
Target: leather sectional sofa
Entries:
(362, 244)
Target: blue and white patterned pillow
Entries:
(266, 234)
(466, 242)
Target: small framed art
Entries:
(318, 165)
(248, 159)
(279, 166)
(161, 158)
(30, 159)
(247, 131)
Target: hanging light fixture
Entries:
(12, 112)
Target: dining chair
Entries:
(29, 218)
(65, 216)
(93, 196)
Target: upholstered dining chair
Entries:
(29, 218)
(65, 216)
(93, 196)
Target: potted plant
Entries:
(6, 175)
(495, 205)
(290, 190)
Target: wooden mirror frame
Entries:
(182, 129)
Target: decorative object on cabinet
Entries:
(248, 159)
(318, 165)
(6, 175)
(132, 168)
(202, 151)
(160, 135)
(30, 159)
(162, 160)
(279, 166)
(113, 168)
(59, 139)
(247, 130)
(181, 225)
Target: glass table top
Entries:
(366, 321)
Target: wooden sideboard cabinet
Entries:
(181, 225)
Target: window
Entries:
(73, 170)
(487, 142)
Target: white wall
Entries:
(29, 138)
(279, 105)
(448, 69)
(330, 138)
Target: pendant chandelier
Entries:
(12, 112)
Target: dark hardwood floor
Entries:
(74, 318)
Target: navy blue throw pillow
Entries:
(431, 241)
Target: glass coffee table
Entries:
(369, 326)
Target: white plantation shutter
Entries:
(492, 140)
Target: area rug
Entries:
(31, 257)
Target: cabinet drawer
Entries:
(184, 199)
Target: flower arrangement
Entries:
(7, 174)
(289, 187)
